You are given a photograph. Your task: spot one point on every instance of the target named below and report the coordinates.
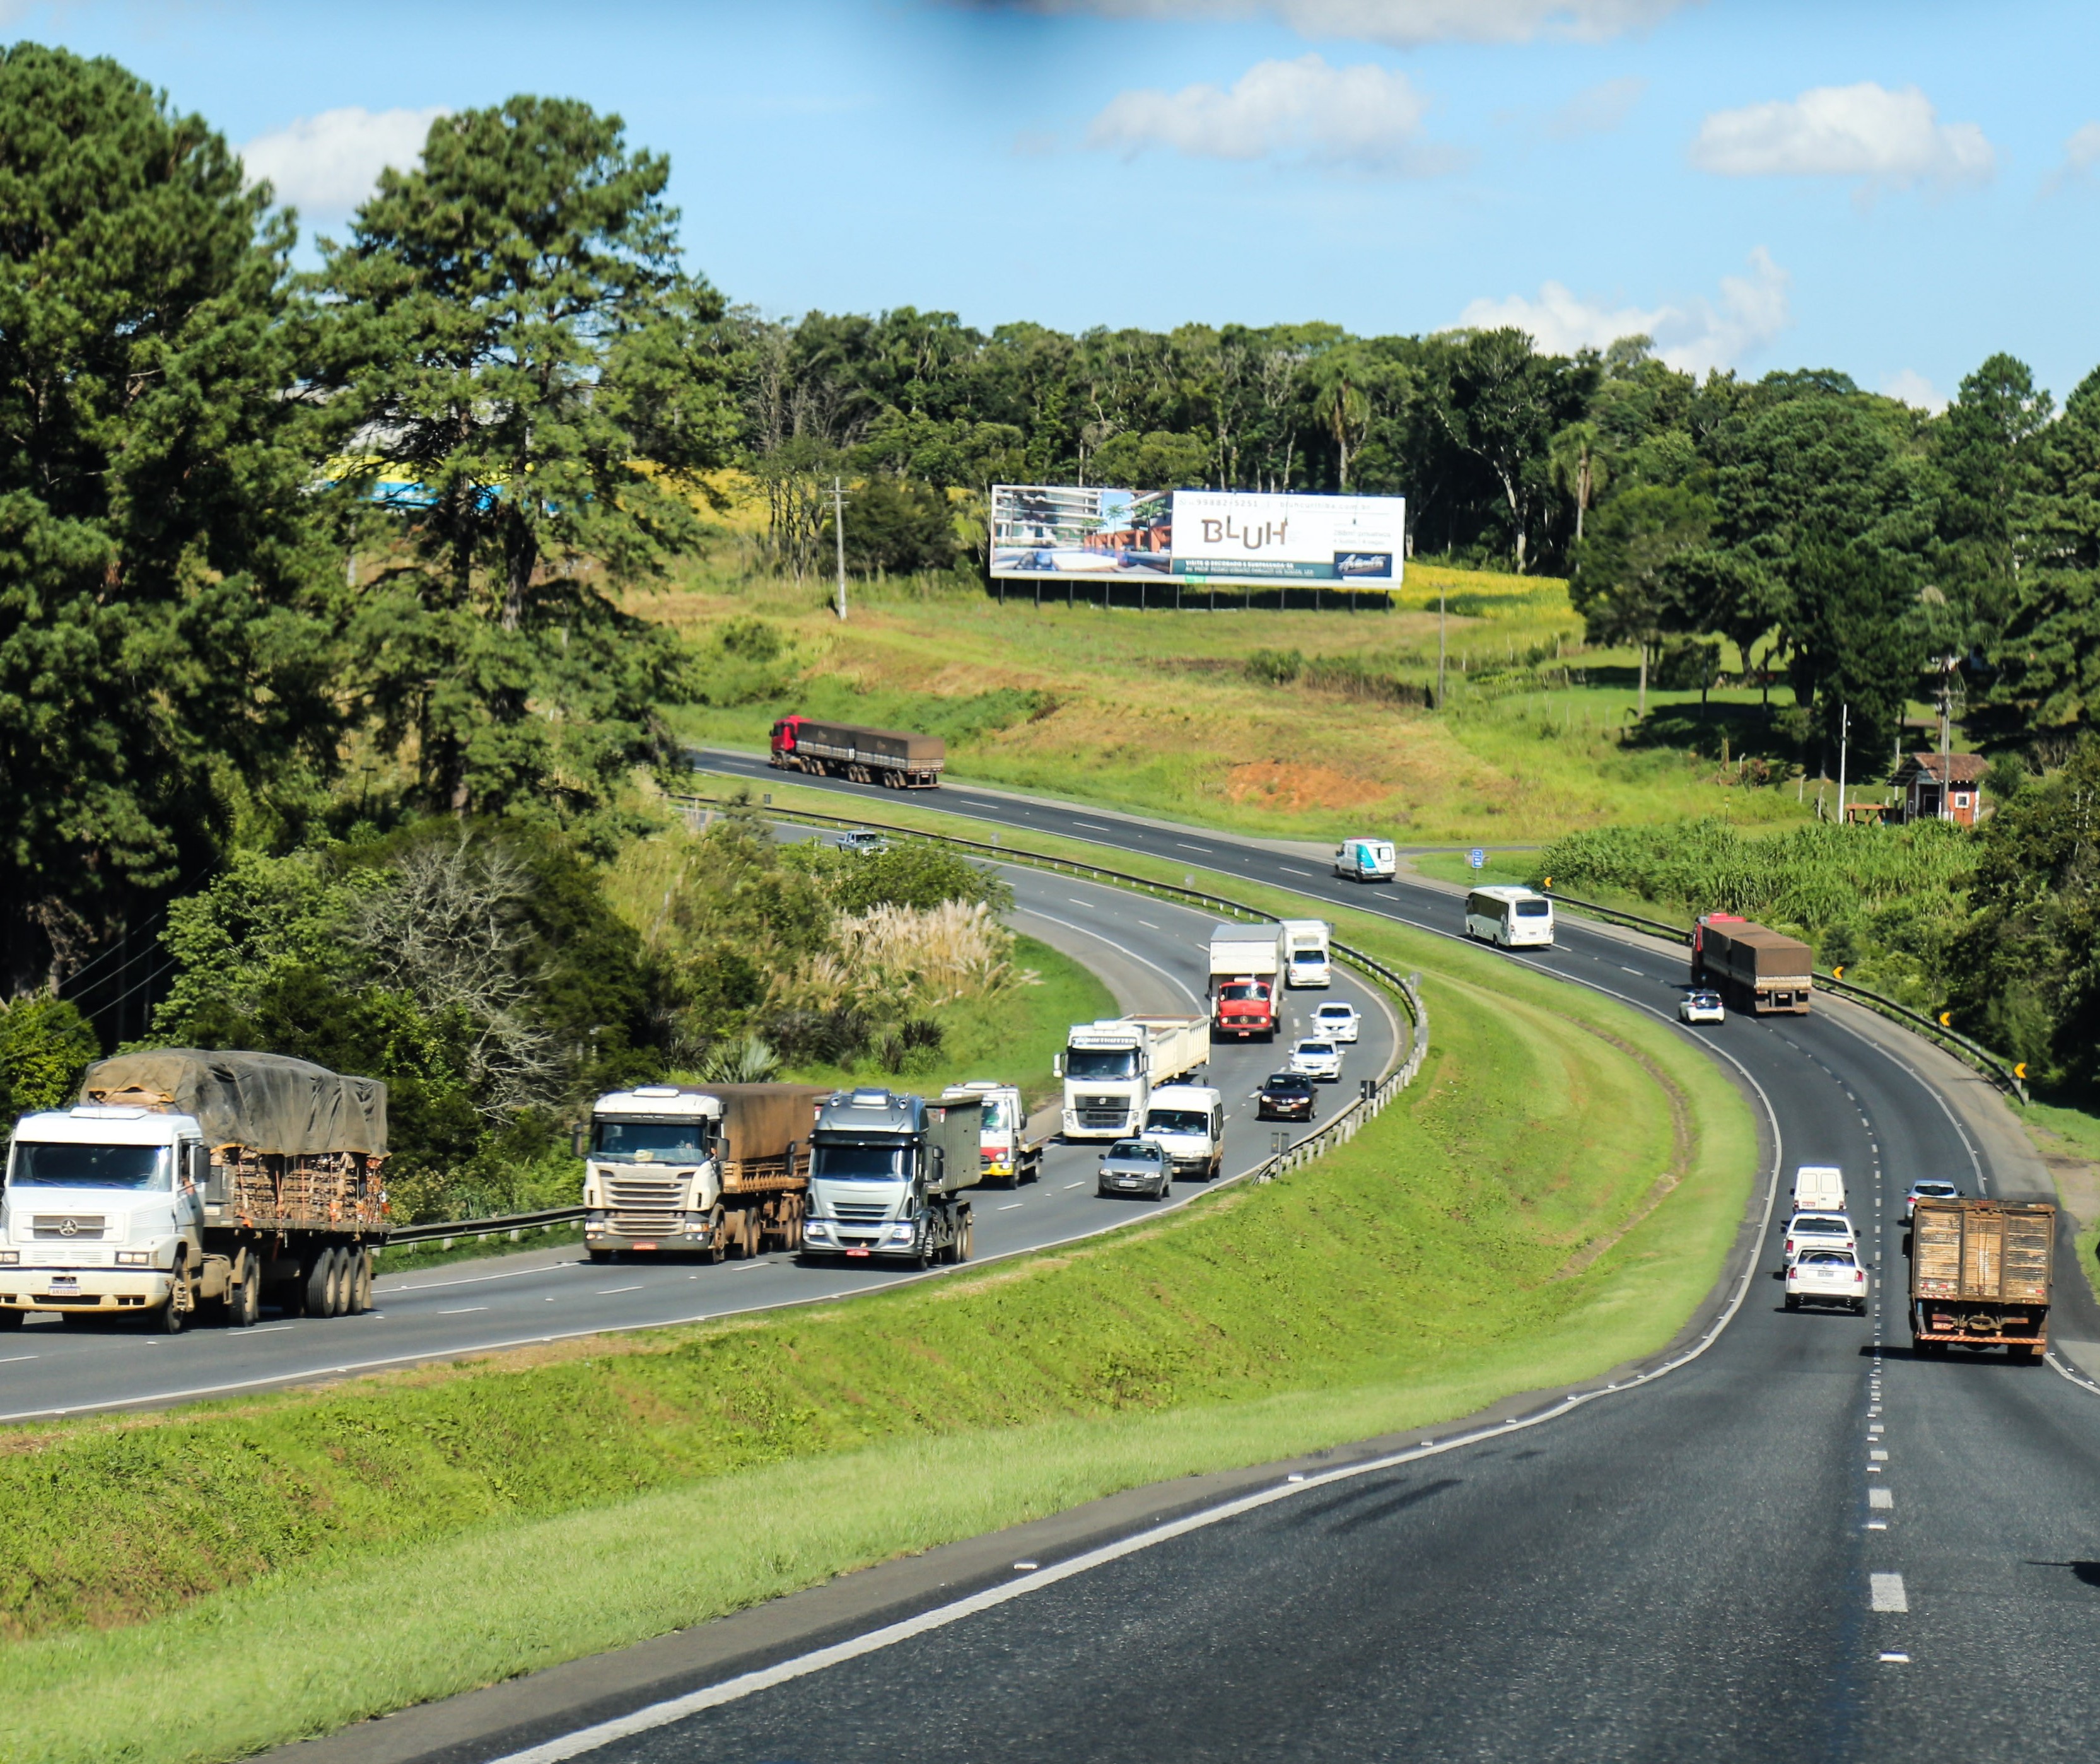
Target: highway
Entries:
(1802, 1543)
(1152, 955)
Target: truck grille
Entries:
(861, 1212)
(644, 1224)
(67, 1228)
(644, 1191)
(1103, 1118)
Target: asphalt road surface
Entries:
(1803, 1544)
(1152, 955)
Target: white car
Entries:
(1701, 1007)
(1818, 1231)
(1927, 1188)
(862, 840)
(1318, 1059)
(1827, 1277)
(1338, 1021)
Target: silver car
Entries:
(863, 841)
(1321, 1059)
(1136, 1167)
(1337, 1021)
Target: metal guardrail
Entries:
(443, 1232)
(1993, 1068)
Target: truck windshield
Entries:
(1241, 995)
(848, 1162)
(1176, 1120)
(1100, 1062)
(994, 1120)
(88, 1167)
(659, 1142)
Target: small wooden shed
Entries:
(1933, 787)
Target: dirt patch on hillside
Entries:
(1278, 786)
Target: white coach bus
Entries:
(1516, 918)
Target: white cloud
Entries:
(2081, 152)
(1864, 131)
(327, 164)
(1691, 335)
(1366, 115)
(1911, 387)
(1596, 110)
(1402, 24)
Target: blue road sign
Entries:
(1476, 858)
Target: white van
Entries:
(1516, 918)
(1308, 960)
(1365, 860)
(1819, 1189)
(1188, 1120)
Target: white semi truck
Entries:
(1112, 1066)
(184, 1177)
(888, 1177)
(713, 1169)
(1307, 955)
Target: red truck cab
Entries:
(1245, 1007)
(784, 733)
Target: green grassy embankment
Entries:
(1208, 714)
(1553, 1197)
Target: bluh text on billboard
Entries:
(1243, 539)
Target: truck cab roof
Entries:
(95, 1124)
(660, 1100)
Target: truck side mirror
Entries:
(579, 1138)
(1056, 1065)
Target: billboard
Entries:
(1221, 538)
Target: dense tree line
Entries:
(290, 562)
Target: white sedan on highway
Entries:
(1701, 1007)
(1337, 1021)
(1827, 1277)
(1320, 1060)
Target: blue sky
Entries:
(1894, 190)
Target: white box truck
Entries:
(887, 1175)
(717, 1170)
(1188, 1120)
(1111, 1067)
(1308, 956)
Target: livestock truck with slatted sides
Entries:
(183, 1178)
(714, 1171)
(891, 756)
(1755, 970)
(1980, 1273)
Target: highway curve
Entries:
(1152, 954)
(1768, 1553)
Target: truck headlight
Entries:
(11, 1258)
(902, 1233)
(816, 1227)
(135, 1258)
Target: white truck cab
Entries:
(102, 1206)
(1189, 1121)
(1308, 956)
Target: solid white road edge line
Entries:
(676, 1708)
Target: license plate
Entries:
(65, 1283)
(857, 1252)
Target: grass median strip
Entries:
(202, 1583)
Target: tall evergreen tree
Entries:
(157, 641)
(2049, 658)
(507, 334)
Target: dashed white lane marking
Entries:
(1075, 900)
(1880, 1497)
(271, 1329)
(1878, 1455)
(1095, 825)
(463, 1309)
(1147, 925)
(604, 1290)
(1010, 1205)
(1635, 972)
(1887, 1592)
(12, 1359)
(1896, 1660)
(1186, 846)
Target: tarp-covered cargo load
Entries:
(267, 1102)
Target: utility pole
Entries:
(839, 533)
(1946, 739)
(1439, 649)
(1844, 735)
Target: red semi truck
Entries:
(890, 757)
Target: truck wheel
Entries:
(320, 1279)
(168, 1319)
(360, 1284)
(716, 1249)
(965, 1243)
(244, 1303)
(602, 1256)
